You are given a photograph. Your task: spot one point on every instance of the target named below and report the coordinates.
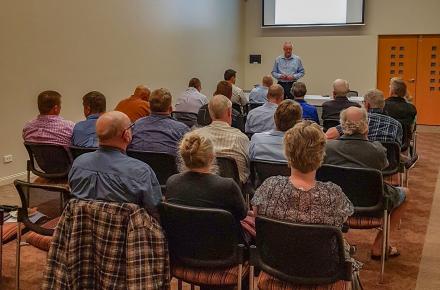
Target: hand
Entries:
(290, 78)
(283, 77)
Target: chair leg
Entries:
(17, 257)
(384, 245)
(179, 284)
(251, 278)
(240, 274)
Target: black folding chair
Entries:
(352, 94)
(395, 166)
(202, 241)
(254, 105)
(188, 118)
(164, 165)
(298, 254)
(228, 168)
(261, 170)
(365, 189)
(329, 123)
(78, 151)
(203, 117)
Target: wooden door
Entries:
(397, 58)
(428, 80)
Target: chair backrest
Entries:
(188, 118)
(408, 132)
(237, 107)
(352, 94)
(301, 254)
(363, 187)
(164, 165)
(203, 117)
(261, 170)
(228, 168)
(329, 123)
(393, 156)
(78, 151)
(48, 160)
(254, 105)
(200, 237)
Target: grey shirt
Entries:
(109, 174)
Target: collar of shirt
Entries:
(397, 99)
(287, 58)
(300, 100)
(48, 117)
(159, 116)
(110, 149)
(341, 98)
(192, 90)
(220, 124)
(276, 133)
(92, 117)
(270, 105)
(377, 111)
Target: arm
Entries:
(300, 72)
(275, 71)
(237, 204)
(150, 193)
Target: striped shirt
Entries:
(238, 96)
(48, 129)
(230, 142)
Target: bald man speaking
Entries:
(287, 69)
(109, 174)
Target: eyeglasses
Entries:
(129, 127)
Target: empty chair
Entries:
(261, 170)
(204, 246)
(292, 256)
(188, 118)
(78, 151)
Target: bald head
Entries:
(142, 92)
(340, 87)
(267, 81)
(354, 120)
(110, 129)
(275, 94)
(220, 108)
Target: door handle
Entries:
(412, 80)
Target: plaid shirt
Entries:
(101, 245)
(48, 129)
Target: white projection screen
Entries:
(299, 13)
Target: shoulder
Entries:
(66, 123)
(329, 188)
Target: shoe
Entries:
(392, 252)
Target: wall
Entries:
(110, 46)
(343, 52)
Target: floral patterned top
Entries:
(325, 203)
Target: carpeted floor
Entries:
(400, 273)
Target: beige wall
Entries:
(110, 46)
(344, 52)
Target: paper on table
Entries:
(34, 218)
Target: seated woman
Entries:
(299, 198)
(198, 185)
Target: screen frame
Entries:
(311, 25)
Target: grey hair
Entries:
(351, 127)
(375, 98)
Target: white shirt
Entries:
(238, 96)
(190, 101)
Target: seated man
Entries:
(109, 174)
(396, 105)
(354, 150)
(158, 132)
(268, 146)
(331, 109)
(49, 127)
(259, 93)
(84, 132)
(191, 100)
(238, 96)
(261, 119)
(309, 112)
(381, 127)
(227, 141)
(136, 106)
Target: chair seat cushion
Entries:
(39, 241)
(9, 232)
(364, 222)
(203, 276)
(268, 282)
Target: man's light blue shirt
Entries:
(109, 174)
(84, 132)
(267, 146)
(288, 66)
(261, 119)
(309, 112)
(190, 101)
(258, 94)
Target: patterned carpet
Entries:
(400, 273)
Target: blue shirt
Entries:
(109, 174)
(84, 132)
(157, 133)
(291, 66)
(261, 119)
(258, 94)
(267, 146)
(309, 111)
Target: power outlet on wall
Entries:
(7, 159)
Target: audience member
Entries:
(268, 146)
(198, 185)
(191, 100)
(354, 150)
(109, 174)
(381, 127)
(238, 96)
(309, 112)
(49, 127)
(331, 109)
(136, 106)
(228, 141)
(84, 132)
(158, 132)
(261, 119)
(397, 106)
(259, 93)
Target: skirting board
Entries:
(9, 179)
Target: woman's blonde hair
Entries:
(196, 151)
(304, 146)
